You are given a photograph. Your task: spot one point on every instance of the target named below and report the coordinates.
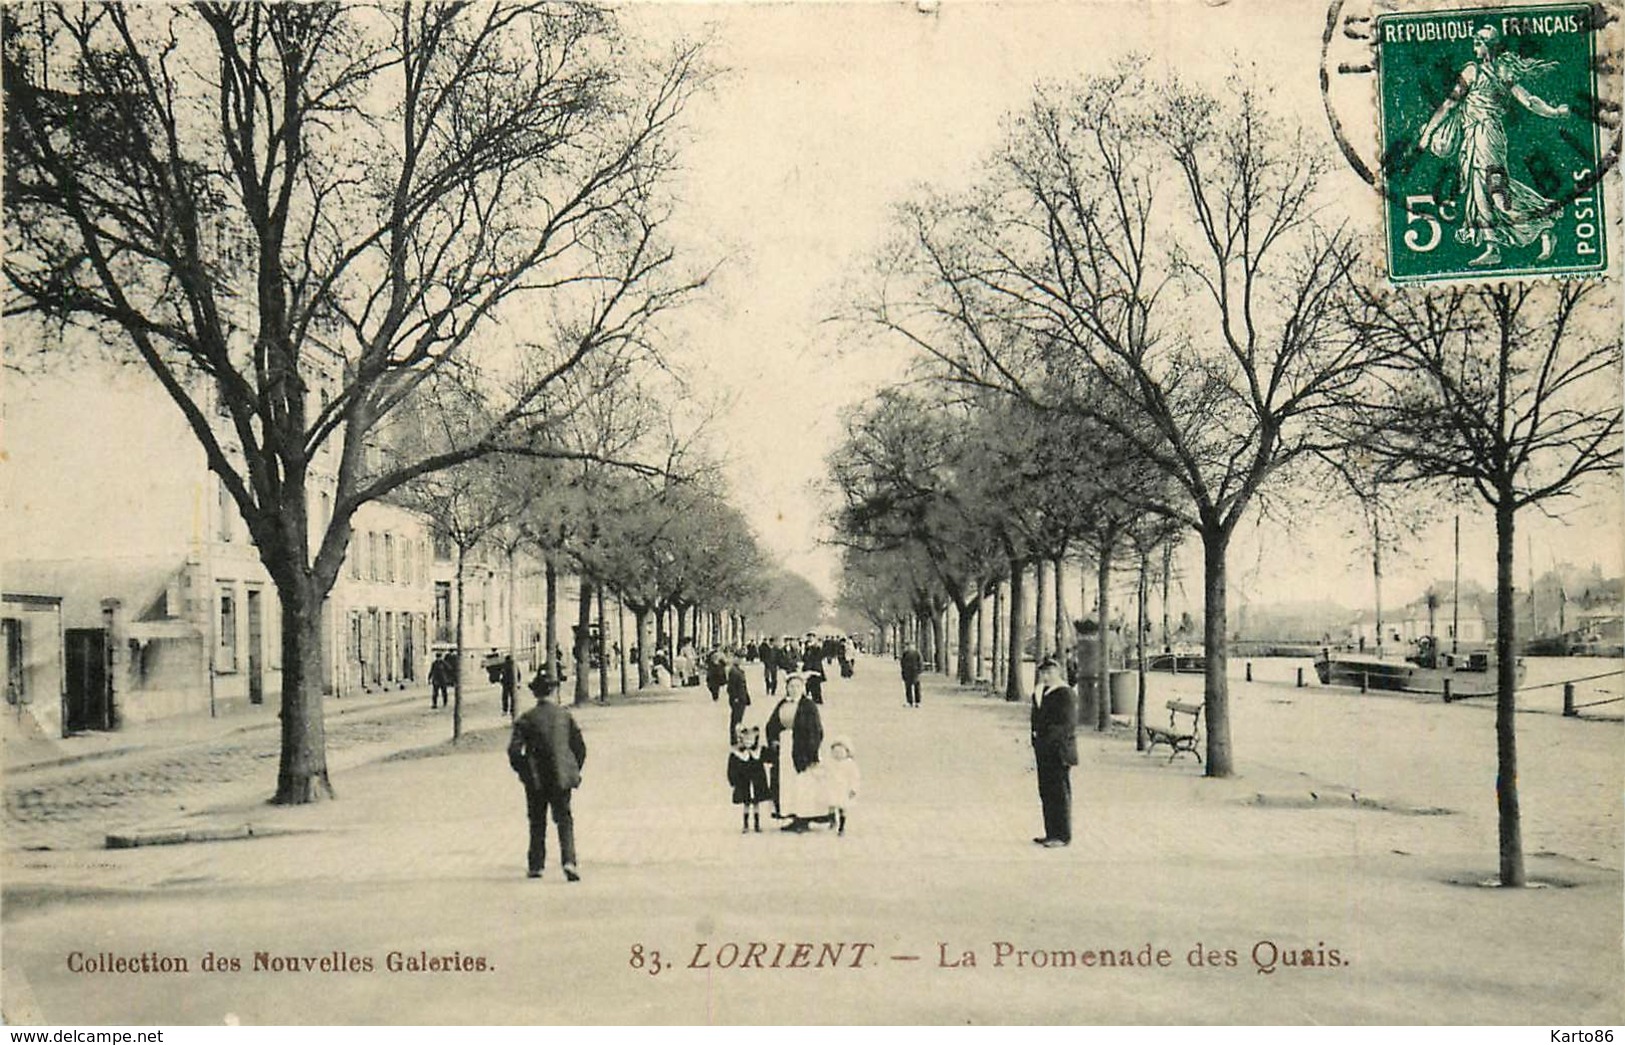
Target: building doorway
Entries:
(256, 646)
(89, 706)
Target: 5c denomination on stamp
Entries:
(1492, 155)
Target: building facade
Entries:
(113, 517)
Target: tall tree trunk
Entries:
(1215, 545)
(1376, 575)
(981, 627)
(1167, 574)
(965, 622)
(302, 774)
(640, 619)
(998, 637)
(620, 637)
(603, 649)
(583, 643)
(462, 667)
(1013, 689)
(551, 573)
(1506, 699)
(1060, 608)
(1040, 590)
(1103, 665)
(513, 630)
(939, 625)
(1140, 624)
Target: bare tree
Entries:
(298, 217)
(466, 507)
(1167, 241)
(1510, 391)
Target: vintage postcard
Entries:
(1071, 512)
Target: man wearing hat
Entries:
(1055, 749)
(547, 752)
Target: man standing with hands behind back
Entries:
(1055, 748)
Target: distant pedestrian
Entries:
(747, 773)
(843, 653)
(770, 668)
(738, 693)
(510, 687)
(1055, 750)
(716, 672)
(812, 666)
(912, 666)
(841, 780)
(439, 681)
(547, 751)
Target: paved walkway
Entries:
(1356, 825)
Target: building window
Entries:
(226, 655)
(442, 547)
(442, 612)
(226, 510)
(355, 636)
(373, 570)
(352, 555)
(389, 557)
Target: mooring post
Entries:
(1568, 701)
(1447, 691)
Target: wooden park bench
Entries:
(1180, 740)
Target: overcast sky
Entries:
(831, 113)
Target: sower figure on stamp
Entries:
(547, 752)
(1496, 209)
(1055, 750)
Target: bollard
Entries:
(1300, 678)
(1364, 681)
(1249, 671)
(1447, 691)
(1569, 710)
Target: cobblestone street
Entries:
(74, 805)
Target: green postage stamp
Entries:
(1492, 158)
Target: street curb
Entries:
(184, 835)
(393, 703)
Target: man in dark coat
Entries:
(1055, 749)
(738, 696)
(716, 672)
(439, 680)
(770, 668)
(510, 686)
(547, 752)
(911, 665)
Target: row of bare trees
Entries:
(320, 227)
(1158, 278)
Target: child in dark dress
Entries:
(748, 776)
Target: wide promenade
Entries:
(1335, 879)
